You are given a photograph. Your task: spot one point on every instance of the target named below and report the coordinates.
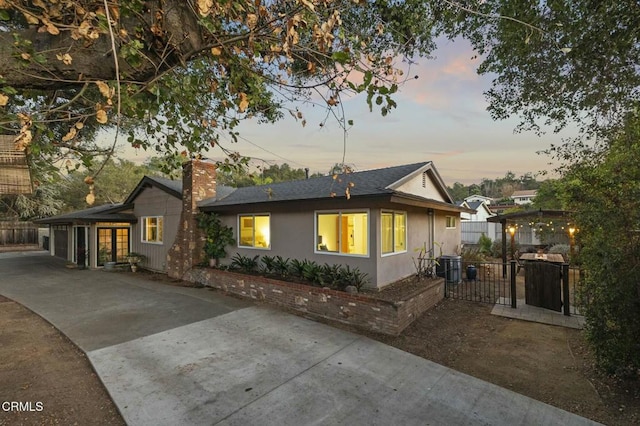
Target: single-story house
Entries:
(146, 223)
(374, 220)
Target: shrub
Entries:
(354, 277)
(496, 249)
(268, 264)
(297, 267)
(245, 263)
(218, 236)
(281, 266)
(562, 249)
(313, 273)
(472, 255)
(484, 244)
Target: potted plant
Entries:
(217, 237)
(134, 259)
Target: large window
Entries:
(255, 231)
(394, 232)
(343, 233)
(152, 229)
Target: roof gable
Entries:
(171, 187)
(425, 182)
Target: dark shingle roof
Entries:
(105, 212)
(369, 182)
(474, 204)
(171, 187)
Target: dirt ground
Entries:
(548, 363)
(42, 369)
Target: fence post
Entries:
(565, 289)
(513, 284)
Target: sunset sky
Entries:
(441, 116)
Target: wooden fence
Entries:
(18, 233)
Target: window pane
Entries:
(152, 229)
(354, 237)
(400, 232)
(328, 232)
(246, 231)
(160, 224)
(387, 232)
(263, 233)
(104, 246)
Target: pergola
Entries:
(528, 214)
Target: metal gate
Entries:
(546, 285)
(483, 282)
(543, 285)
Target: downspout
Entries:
(432, 231)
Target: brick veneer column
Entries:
(198, 183)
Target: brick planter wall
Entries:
(360, 310)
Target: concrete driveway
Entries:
(172, 355)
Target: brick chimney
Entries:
(198, 183)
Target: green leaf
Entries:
(4, 15)
(341, 57)
(9, 90)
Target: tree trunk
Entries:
(180, 40)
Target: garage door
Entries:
(61, 242)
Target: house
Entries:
(523, 197)
(479, 198)
(481, 211)
(146, 223)
(473, 225)
(373, 220)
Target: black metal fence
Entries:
(506, 284)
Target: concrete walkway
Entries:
(171, 355)
(526, 312)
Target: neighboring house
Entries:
(475, 224)
(523, 197)
(373, 220)
(481, 211)
(477, 197)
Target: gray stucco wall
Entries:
(155, 202)
(293, 237)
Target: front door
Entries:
(113, 245)
(81, 245)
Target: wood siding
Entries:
(155, 202)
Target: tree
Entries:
(549, 196)
(177, 74)
(603, 191)
(557, 62)
(118, 178)
(45, 201)
(458, 191)
(272, 174)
